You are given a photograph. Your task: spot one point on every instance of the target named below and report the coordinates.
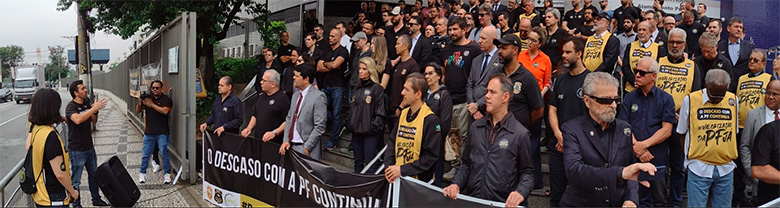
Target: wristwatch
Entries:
(274, 131)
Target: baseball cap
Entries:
(396, 10)
(508, 39)
(358, 36)
(605, 15)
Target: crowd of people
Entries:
(633, 106)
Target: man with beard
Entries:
(638, 50)
(587, 29)
(709, 163)
(601, 49)
(675, 78)
(626, 10)
(715, 26)
(711, 59)
(574, 17)
(555, 39)
(693, 30)
(457, 58)
(394, 31)
(600, 172)
(627, 36)
(565, 104)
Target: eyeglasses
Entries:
(755, 60)
(605, 101)
(469, 18)
(429, 73)
(413, 24)
(643, 73)
(676, 42)
(771, 94)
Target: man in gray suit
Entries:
(306, 117)
(483, 66)
(757, 118)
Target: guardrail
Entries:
(12, 201)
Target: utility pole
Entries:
(85, 64)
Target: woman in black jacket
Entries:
(441, 104)
(367, 114)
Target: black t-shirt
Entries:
(552, 47)
(574, 19)
(567, 98)
(585, 30)
(766, 151)
(51, 149)
(693, 32)
(457, 66)
(156, 122)
(270, 112)
(391, 36)
(79, 136)
(334, 78)
(402, 69)
(526, 95)
(619, 15)
(285, 50)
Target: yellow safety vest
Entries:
(712, 129)
(408, 140)
(675, 79)
(638, 52)
(750, 92)
(523, 42)
(594, 51)
(40, 133)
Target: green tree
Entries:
(125, 18)
(10, 56)
(58, 64)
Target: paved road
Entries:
(13, 121)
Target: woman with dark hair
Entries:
(366, 115)
(440, 102)
(48, 152)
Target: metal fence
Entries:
(159, 52)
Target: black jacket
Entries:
(594, 170)
(492, 171)
(422, 53)
(440, 103)
(367, 109)
(430, 149)
(741, 67)
(720, 62)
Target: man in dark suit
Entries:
(598, 155)
(497, 9)
(422, 47)
(736, 49)
(483, 66)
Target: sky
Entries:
(34, 24)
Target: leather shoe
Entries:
(100, 203)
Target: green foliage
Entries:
(204, 105)
(10, 56)
(58, 65)
(269, 30)
(241, 70)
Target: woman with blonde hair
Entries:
(379, 54)
(366, 114)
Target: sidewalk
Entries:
(115, 135)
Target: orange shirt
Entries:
(540, 67)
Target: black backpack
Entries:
(27, 180)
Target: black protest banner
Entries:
(247, 172)
(415, 193)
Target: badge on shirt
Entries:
(368, 99)
(732, 102)
(688, 65)
(495, 64)
(62, 166)
(627, 131)
(554, 41)
(224, 109)
(518, 86)
(620, 13)
(591, 133)
(660, 43)
(560, 97)
(503, 144)
(366, 92)
(332, 58)
(465, 53)
(720, 65)
(695, 31)
(403, 72)
(438, 127)
(579, 93)
(536, 65)
(271, 102)
(436, 96)
(634, 108)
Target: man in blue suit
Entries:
(598, 157)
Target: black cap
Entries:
(508, 39)
(605, 15)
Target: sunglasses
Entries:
(755, 60)
(483, 14)
(155, 88)
(413, 24)
(605, 101)
(643, 73)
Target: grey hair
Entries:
(554, 12)
(486, 8)
(506, 84)
(653, 64)
(708, 39)
(717, 77)
(760, 51)
(600, 78)
(679, 31)
(733, 20)
(274, 76)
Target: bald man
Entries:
(522, 32)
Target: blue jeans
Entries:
(536, 157)
(365, 149)
(79, 160)
(722, 187)
(334, 95)
(676, 171)
(150, 142)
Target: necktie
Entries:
(776, 115)
(295, 116)
(495, 8)
(485, 62)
